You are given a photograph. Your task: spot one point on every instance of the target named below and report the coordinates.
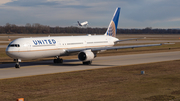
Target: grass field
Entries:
(161, 82)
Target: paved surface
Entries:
(3, 46)
(47, 67)
(5, 41)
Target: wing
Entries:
(129, 39)
(109, 48)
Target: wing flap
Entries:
(129, 39)
(125, 47)
(110, 48)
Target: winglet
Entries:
(111, 31)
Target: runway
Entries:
(3, 46)
(48, 67)
(5, 41)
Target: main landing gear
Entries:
(87, 63)
(17, 63)
(58, 60)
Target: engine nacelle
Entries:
(86, 55)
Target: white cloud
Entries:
(5, 1)
(61, 0)
(174, 19)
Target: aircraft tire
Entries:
(61, 60)
(55, 60)
(87, 63)
(17, 66)
(58, 60)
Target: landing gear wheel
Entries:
(17, 63)
(58, 60)
(17, 66)
(87, 63)
(55, 60)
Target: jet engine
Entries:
(86, 55)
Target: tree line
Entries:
(40, 29)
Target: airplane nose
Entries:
(9, 52)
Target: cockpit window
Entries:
(14, 45)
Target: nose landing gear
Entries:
(17, 63)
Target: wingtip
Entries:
(167, 43)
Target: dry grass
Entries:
(161, 82)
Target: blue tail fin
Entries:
(79, 23)
(111, 31)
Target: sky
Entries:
(64, 13)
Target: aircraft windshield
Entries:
(14, 45)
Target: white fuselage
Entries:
(41, 47)
(84, 23)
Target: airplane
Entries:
(83, 23)
(85, 47)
